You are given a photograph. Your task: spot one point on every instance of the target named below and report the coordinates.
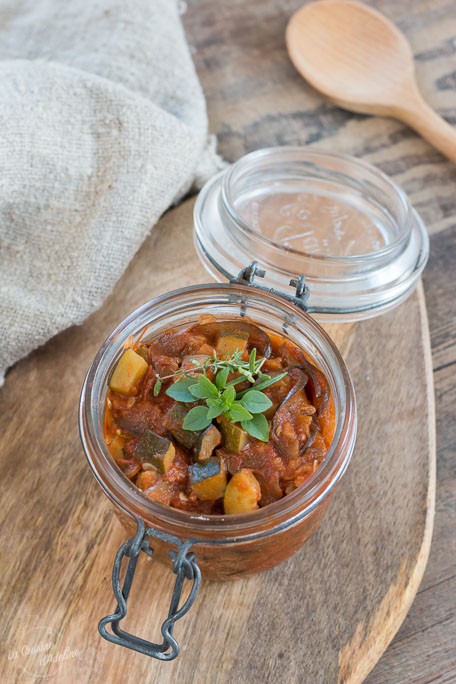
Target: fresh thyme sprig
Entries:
(219, 398)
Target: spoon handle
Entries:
(430, 125)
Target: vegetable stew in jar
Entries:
(219, 417)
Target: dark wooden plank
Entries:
(256, 98)
(431, 621)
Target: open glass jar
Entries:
(229, 209)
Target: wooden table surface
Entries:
(255, 99)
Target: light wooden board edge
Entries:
(369, 643)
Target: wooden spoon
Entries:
(362, 62)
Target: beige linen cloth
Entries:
(102, 127)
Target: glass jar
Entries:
(343, 223)
(354, 235)
(240, 544)
(224, 547)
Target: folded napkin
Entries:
(103, 126)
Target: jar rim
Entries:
(302, 153)
(342, 288)
(125, 495)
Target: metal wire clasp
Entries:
(250, 272)
(185, 566)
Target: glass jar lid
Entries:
(338, 221)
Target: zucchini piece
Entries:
(128, 372)
(242, 493)
(173, 423)
(234, 437)
(208, 479)
(208, 440)
(116, 448)
(156, 450)
(230, 340)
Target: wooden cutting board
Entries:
(325, 615)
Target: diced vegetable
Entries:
(146, 479)
(143, 352)
(283, 432)
(261, 420)
(257, 337)
(242, 493)
(229, 341)
(156, 450)
(116, 448)
(162, 492)
(233, 436)
(173, 422)
(208, 479)
(208, 440)
(128, 372)
(130, 468)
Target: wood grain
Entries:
(351, 584)
(256, 98)
(358, 59)
(58, 533)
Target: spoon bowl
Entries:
(360, 61)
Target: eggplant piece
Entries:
(208, 440)
(290, 449)
(311, 438)
(256, 336)
(156, 450)
(208, 479)
(242, 493)
(234, 437)
(129, 370)
(143, 352)
(173, 422)
(270, 487)
(317, 385)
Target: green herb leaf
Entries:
(207, 388)
(221, 377)
(196, 419)
(257, 427)
(252, 360)
(228, 396)
(195, 391)
(238, 412)
(255, 401)
(180, 390)
(157, 386)
(265, 383)
(236, 381)
(247, 374)
(216, 409)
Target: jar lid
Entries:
(338, 221)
